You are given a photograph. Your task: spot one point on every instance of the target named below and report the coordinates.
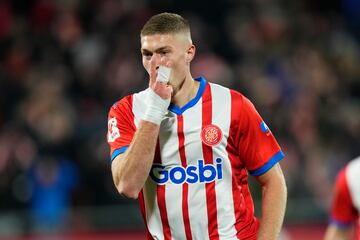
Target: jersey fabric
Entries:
(346, 203)
(198, 185)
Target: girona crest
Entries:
(211, 135)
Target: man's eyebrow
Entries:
(144, 50)
(162, 49)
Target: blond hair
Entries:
(165, 23)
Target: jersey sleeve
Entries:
(343, 212)
(121, 127)
(257, 147)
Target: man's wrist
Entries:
(156, 108)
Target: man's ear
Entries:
(190, 54)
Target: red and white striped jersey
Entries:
(346, 203)
(198, 185)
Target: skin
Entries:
(335, 233)
(175, 51)
(274, 194)
(131, 169)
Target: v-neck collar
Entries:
(177, 110)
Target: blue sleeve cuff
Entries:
(340, 224)
(118, 151)
(267, 166)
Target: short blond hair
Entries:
(165, 23)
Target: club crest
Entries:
(211, 135)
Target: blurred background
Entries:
(64, 63)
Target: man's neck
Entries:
(186, 91)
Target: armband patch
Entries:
(113, 130)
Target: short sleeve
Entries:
(257, 146)
(343, 212)
(121, 127)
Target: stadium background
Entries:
(64, 63)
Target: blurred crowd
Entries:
(64, 63)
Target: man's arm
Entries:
(273, 205)
(334, 232)
(131, 169)
(342, 211)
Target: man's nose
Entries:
(155, 61)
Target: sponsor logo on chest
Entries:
(192, 174)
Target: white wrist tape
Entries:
(156, 107)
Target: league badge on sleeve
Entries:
(211, 135)
(113, 130)
(264, 128)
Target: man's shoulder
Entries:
(236, 96)
(352, 170)
(354, 164)
(127, 101)
(219, 87)
(352, 179)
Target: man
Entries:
(184, 148)
(346, 204)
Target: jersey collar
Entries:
(177, 110)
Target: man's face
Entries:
(171, 50)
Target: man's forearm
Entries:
(131, 169)
(273, 207)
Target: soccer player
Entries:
(184, 147)
(346, 204)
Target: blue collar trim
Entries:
(175, 109)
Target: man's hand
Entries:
(158, 100)
(160, 88)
